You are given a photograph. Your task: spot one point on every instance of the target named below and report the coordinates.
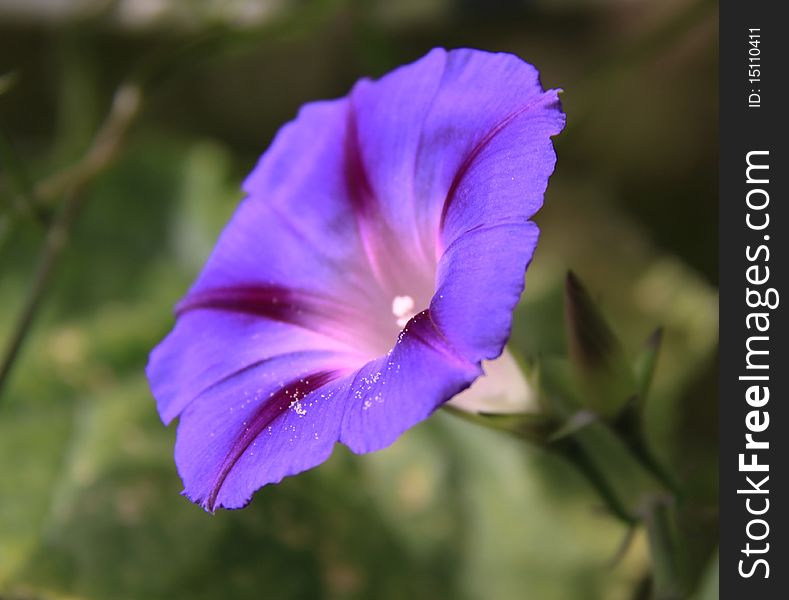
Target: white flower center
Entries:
(403, 309)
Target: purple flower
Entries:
(373, 265)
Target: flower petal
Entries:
(480, 279)
(296, 230)
(257, 427)
(422, 127)
(397, 391)
(472, 164)
(206, 347)
(492, 121)
(388, 123)
(284, 416)
(498, 185)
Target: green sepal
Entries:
(557, 393)
(607, 462)
(532, 427)
(604, 373)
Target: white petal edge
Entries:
(503, 389)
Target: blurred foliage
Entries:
(89, 504)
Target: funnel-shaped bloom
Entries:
(373, 265)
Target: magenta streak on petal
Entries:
(361, 196)
(480, 146)
(264, 361)
(273, 302)
(424, 329)
(264, 416)
(270, 301)
(359, 187)
(352, 327)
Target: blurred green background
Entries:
(89, 495)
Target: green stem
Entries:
(55, 241)
(576, 455)
(663, 548)
(103, 151)
(24, 202)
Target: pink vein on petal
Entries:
(264, 416)
(361, 195)
(480, 146)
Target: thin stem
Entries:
(25, 201)
(53, 245)
(69, 182)
(662, 545)
(162, 66)
(100, 155)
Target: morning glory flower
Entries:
(371, 269)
